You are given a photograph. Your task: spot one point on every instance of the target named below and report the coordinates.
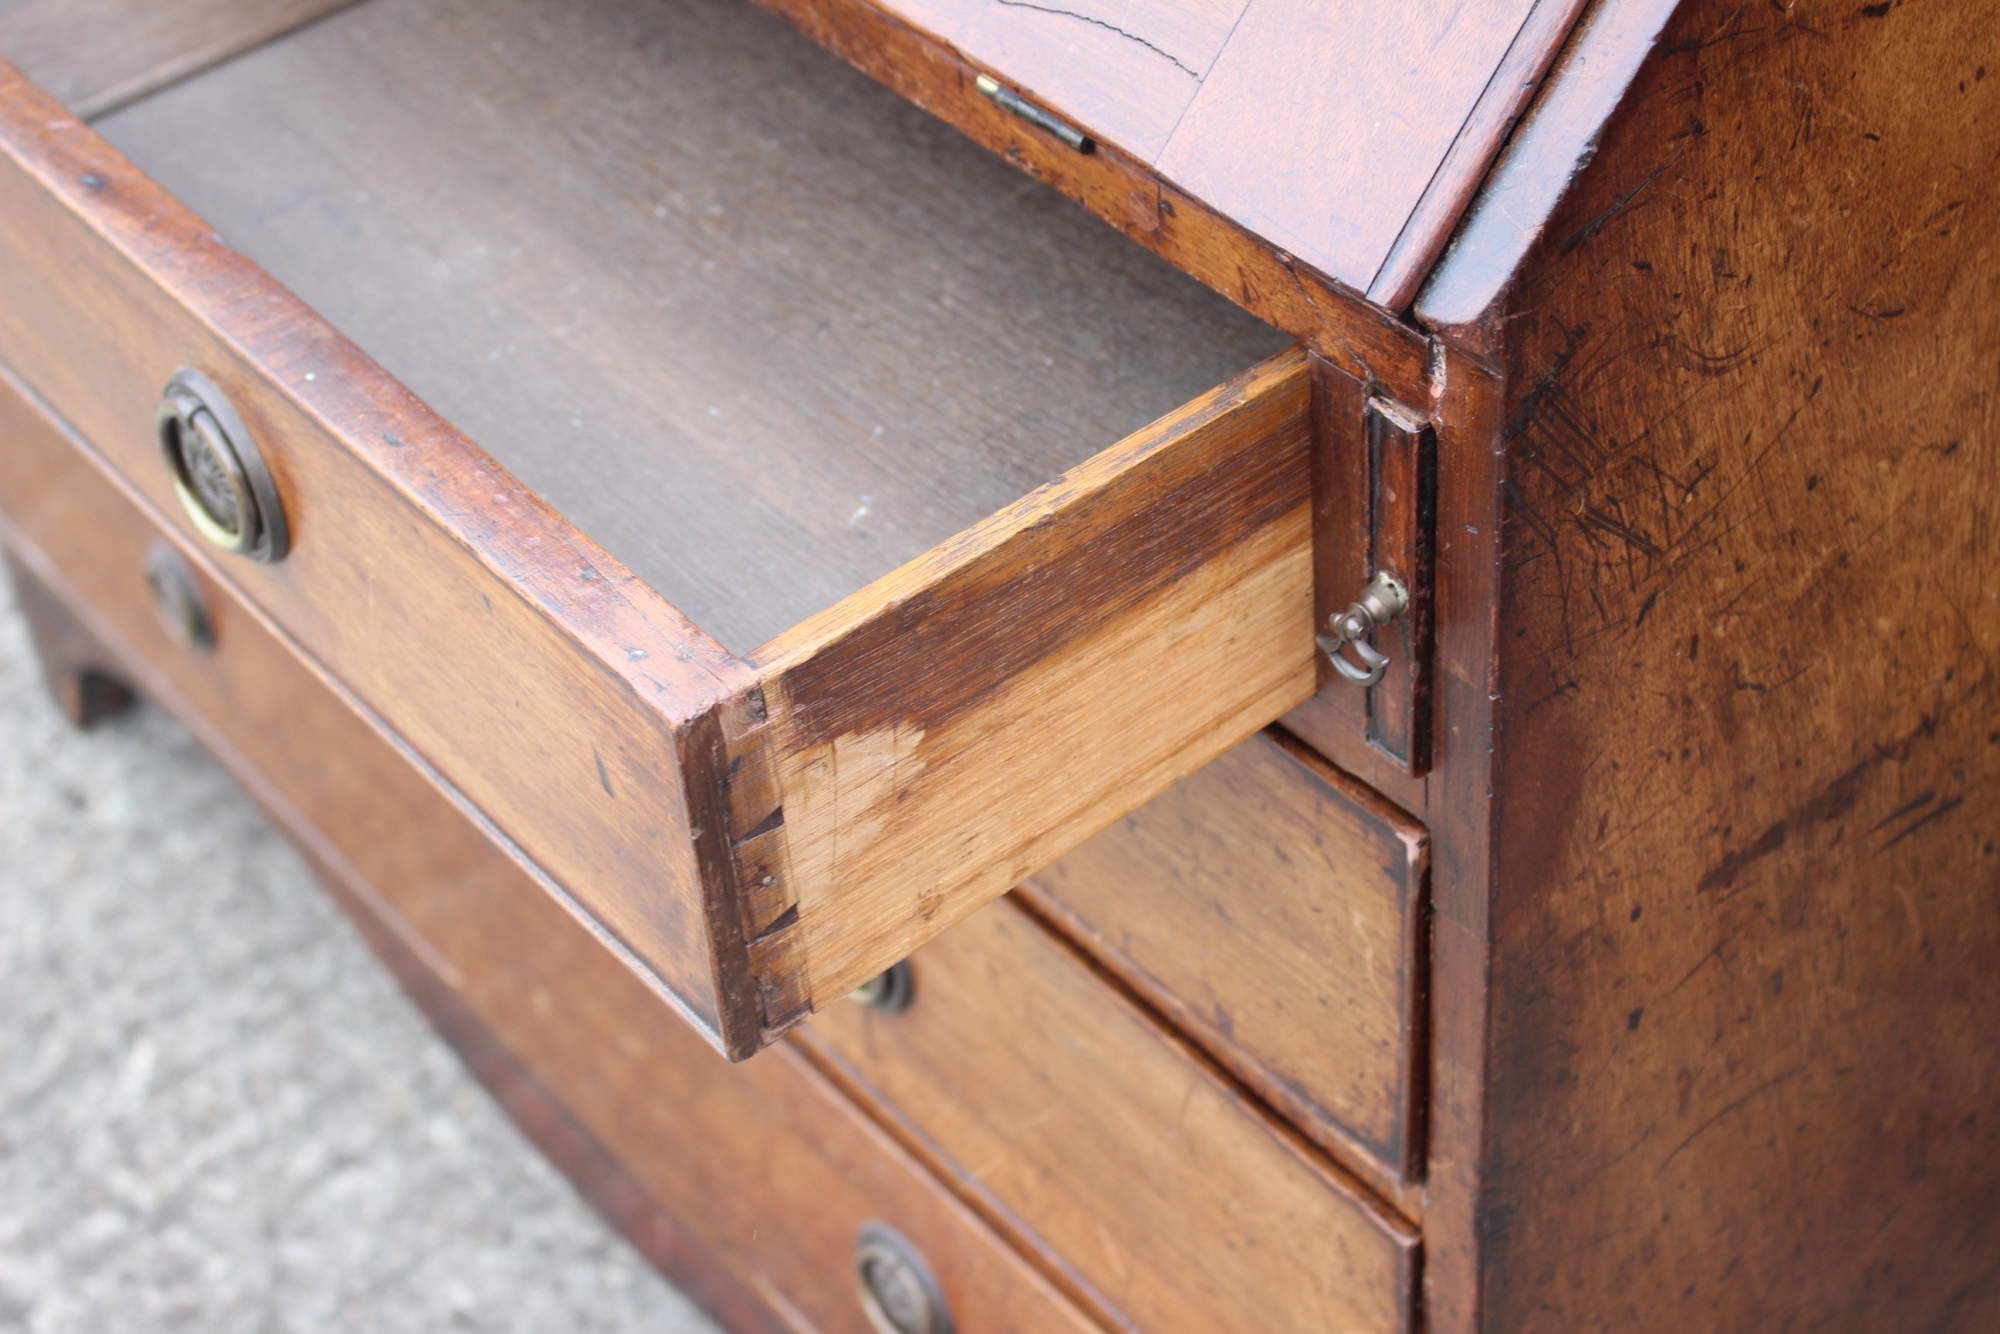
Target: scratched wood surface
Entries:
(768, 1169)
(1124, 191)
(1174, 1203)
(1273, 908)
(1348, 134)
(1742, 1072)
(651, 715)
(419, 567)
(96, 55)
(1127, 70)
(897, 719)
(755, 325)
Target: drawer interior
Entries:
(755, 325)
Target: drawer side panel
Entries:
(965, 721)
(532, 670)
(767, 1164)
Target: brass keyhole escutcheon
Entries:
(218, 472)
(897, 1290)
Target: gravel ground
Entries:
(216, 1112)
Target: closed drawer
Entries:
(1063, 1106)
(766, 1163)
(1274, 908)
(753, 616)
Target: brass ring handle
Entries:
(178, 599)
(889, 991)
(218, 472)
(898, 1292)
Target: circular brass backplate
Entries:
(890, 990)
(218, 473)
(897, 1290)
(177, 597)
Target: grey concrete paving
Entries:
(216, 1113)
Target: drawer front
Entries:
(1274, 907)
(757, 834)
(766, 1163)
(1174, 1201)
(430, 583)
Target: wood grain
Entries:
(1323, 121)
(1282, 289)
(1451, 187)
(1457, 801)
(1554, 142)
(1273, 908)
(513, 653)
(1126, 69)
(631, 785)
(1381, 123)
(1176, 1204)
(751, 323)
(1461, 812)
(959, 725)
(770, 1170)
(1402, 465)
(644, 778)
(97, 55)
(1742, 1058)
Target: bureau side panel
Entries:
(1743, 1073)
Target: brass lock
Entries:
(897, 1290)
(218, 474)
(1382, 602)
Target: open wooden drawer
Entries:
(815, 576)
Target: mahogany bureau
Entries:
(1459, 591)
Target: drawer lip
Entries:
(447, 904)
(1027, 1196)
(1143, 933)
(684, 861)
(22, 544)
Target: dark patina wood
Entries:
(695, 804)
(1742, 910)
(727, 1151)
(1666, 996)
(1175, 1203)
(1274, 908)
(82, 676)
